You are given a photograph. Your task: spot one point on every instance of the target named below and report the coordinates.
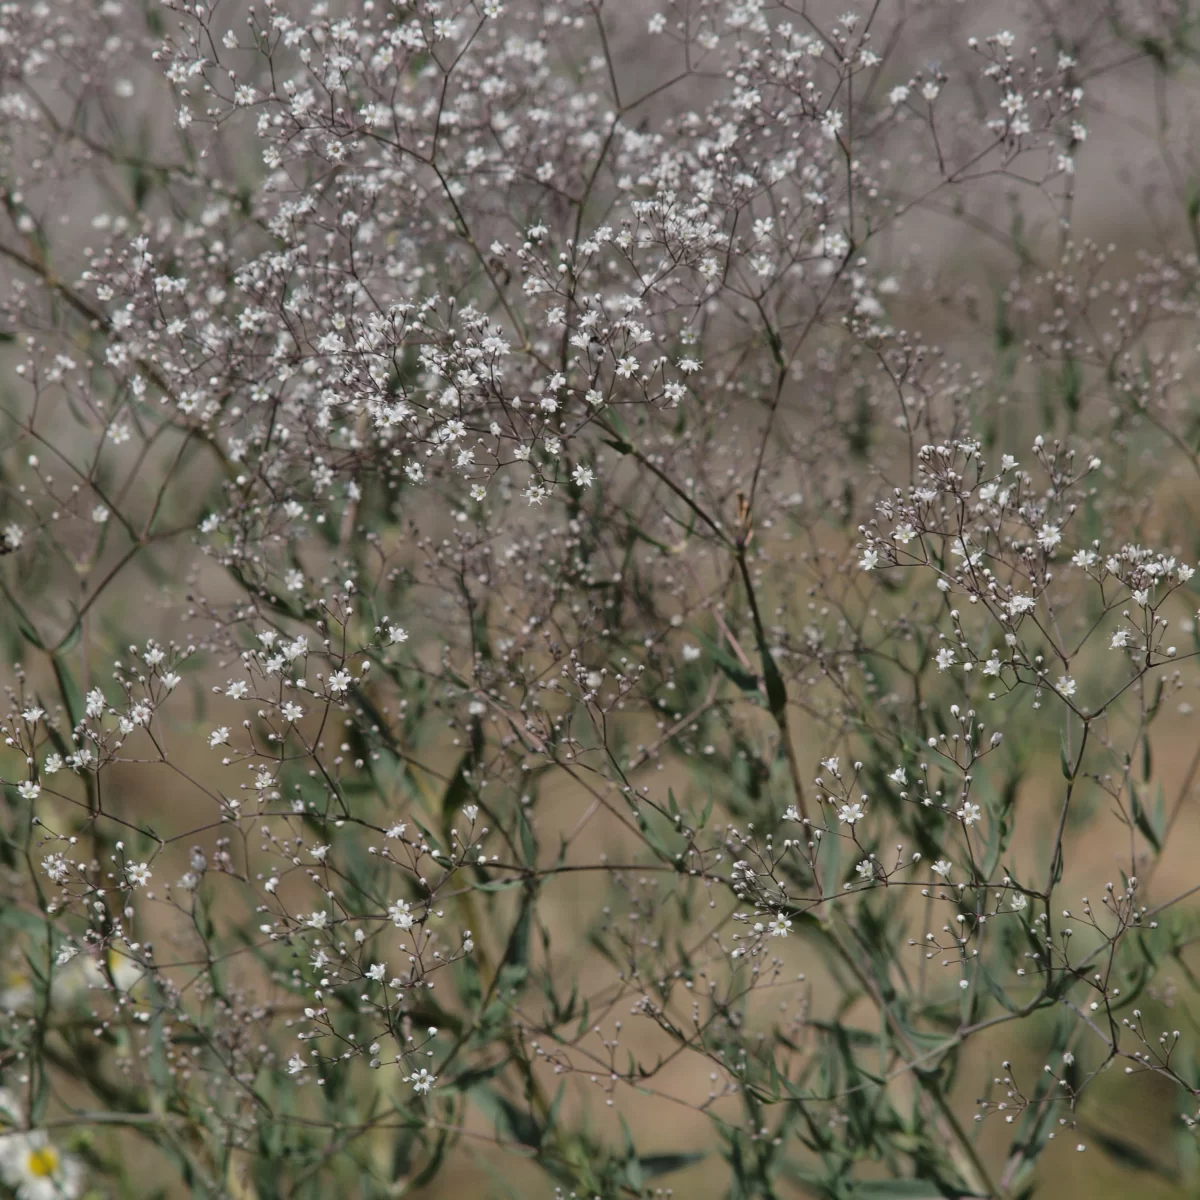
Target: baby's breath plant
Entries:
(599, 598)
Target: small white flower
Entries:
(100, 514)
(1065, 686)
(139, 874)
(945, 657)
(970, 813)
(1049, 536)
(869, 560)
(779, 926)
(898, 777)
(848, 814)
(691, 652)
(401, 914)
(317, 920)
(942, 867)
(28, 790)
(37, 1171)
(832, 122)
(421, 1081)
(1120, 639)
(292, 712)
(396, 634)
(219, 736)
(1018, 901)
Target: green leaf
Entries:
(1131, 1156)
(1152, 825)
(892, 1189)
(653, 1165)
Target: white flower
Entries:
(401, 914)
(100, 514)
(28, 790)
(945, 656)
(583, 476)
(898, 95)
(219, 736)
(830, 764)
(869, 560)
(317, 920)
(339, 681)
(396, 831)
(898, 777)
(421, 1081)
(992, 666)
(292, 711)
(1066, 686)
(396, 634)
(970, 813)
(1021, 604)
(848, 814)
(832, 122)
(942, 867)
(36, 1169)
(295, 1065)
(1120, 639)
(691, 652)
(1049, 536)
(1018, 901)
(1084, 559)
(376, 972)
(139, 874)
(779, 925)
